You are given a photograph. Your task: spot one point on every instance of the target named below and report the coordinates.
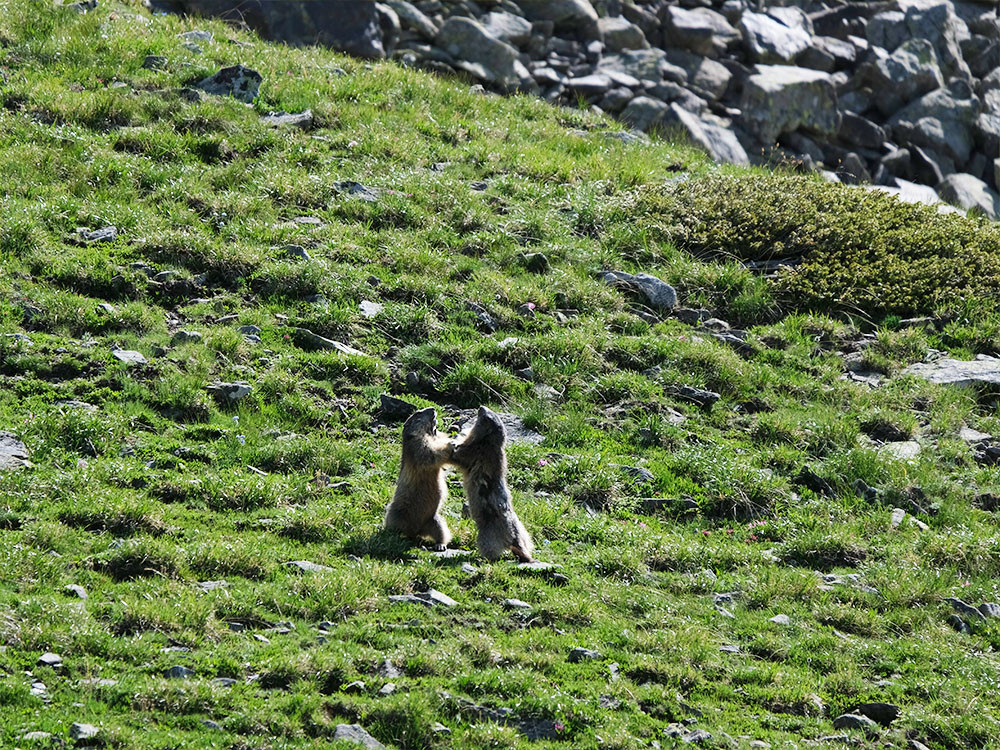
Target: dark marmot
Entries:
(415, 510)
(479, 454)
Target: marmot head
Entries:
(488, 428)
(420, 424)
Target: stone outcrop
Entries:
(901, 94)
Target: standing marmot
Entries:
(415, 510)
(480, 456)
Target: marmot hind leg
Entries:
(437, 531)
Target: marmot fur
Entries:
(479, 454)
(415, 510)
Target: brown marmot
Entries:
(415, 510)
(479, 454)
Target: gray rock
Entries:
(595, 84)
(571, 13)
(780, 620)
(496, 61)
(236, 81)
(699, 30)
(579, 654)
(302, 120)
(37, 736)
(516, 604)
(886, 30)
(937, 23)
(970, 193)
(855, 721)
(49, 659)
(128, 356)
(620, 34)
(782, 98)
(436, 597)
(354, 734)
(768, 40)
(370, 309)
(185, 337)
(78, 731)
(989, 610)
(656, 293)
(410, 17)
(708, 133)
(896, 518)
(296, 252)
(13, 453)
(641, 64)
(307, 566)
(704, 75)
(315, 341)
(939, 122)
(643, 113)
(852, 170)
(860, 131)
(104, 234)
(229, 392)
(353, 189)
(154, 62)
(507, 27)
(178, 672)
(197, 35)
(965, 610)
(76, 590)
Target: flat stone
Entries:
(579, 654)
(50, 660)
(104, 234)
(956, 372)
(370, 309)
(904, 450)
(128, 356)
(353, 189)
(305, 566)
(37, 736)
(780, 620)
(354, 733)
(516, 604)
(186, 337)
(178, 672)
(78, 731)
(230, 392)
(13, 453)
(302, 120)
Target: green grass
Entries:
(159, 487)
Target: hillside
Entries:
(758, 513)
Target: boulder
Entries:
(705, 76)
(769, 40)
(709, 133)
(411, 17)
(699, 30)
(782, 98)
(644, 112)
(642, 64)
(860, 131)
(507, 27)
(352, 26)
(466, 40)
(969, 192)
(938, 24)
(577, 15)
(909, 72)
(656, 293)
(886, 30)
(621, 34)
(939, 121)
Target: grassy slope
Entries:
(153, 492)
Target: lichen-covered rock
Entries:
(236, 81)
(782, 98)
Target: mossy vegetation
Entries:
(179, 511)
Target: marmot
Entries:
(415, 510)
(479, 454)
